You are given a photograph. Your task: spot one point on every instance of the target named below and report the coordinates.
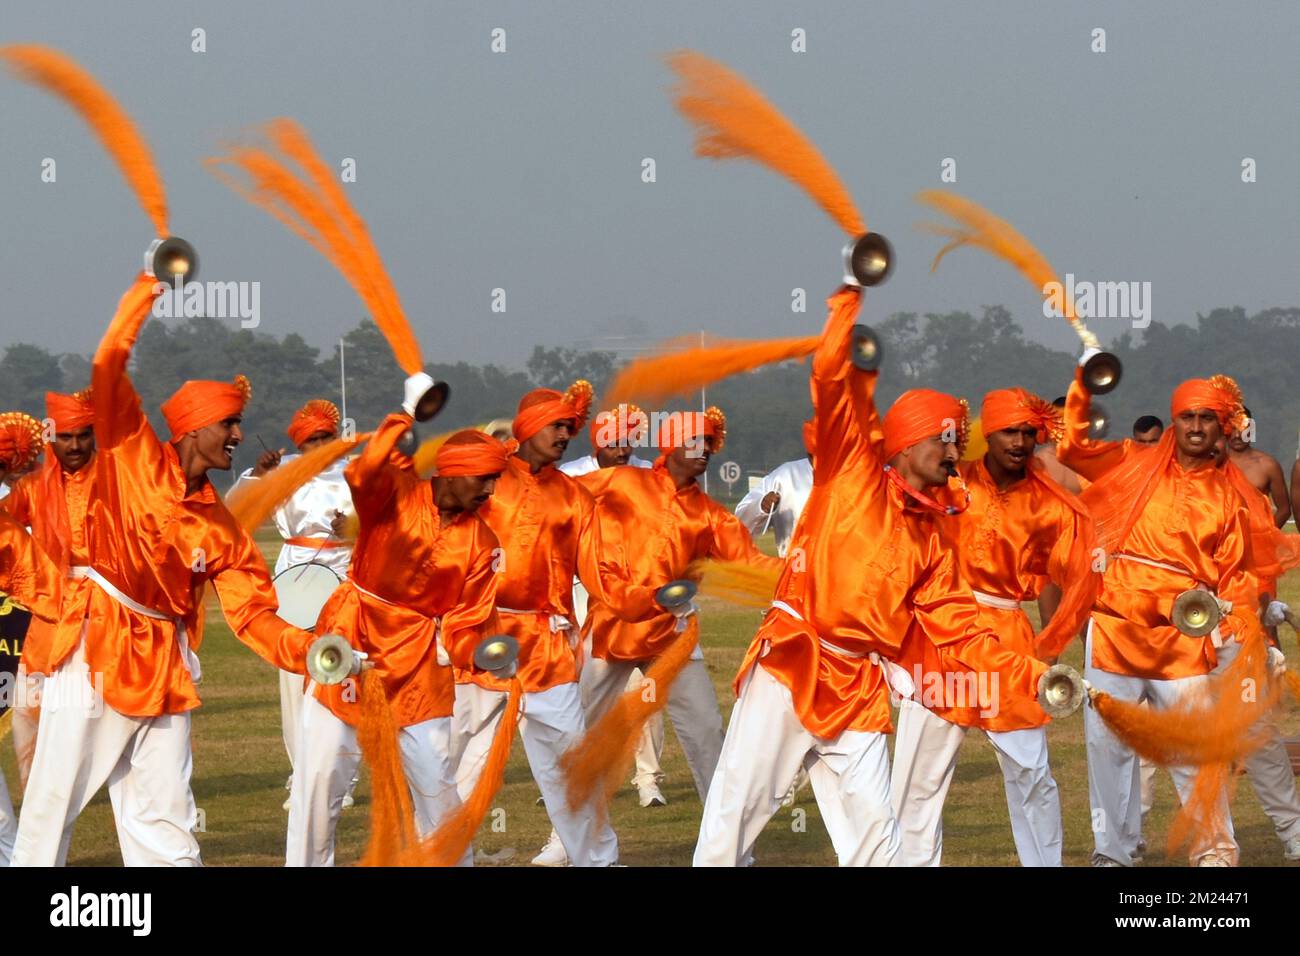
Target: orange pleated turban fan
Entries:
(20, 440)
(316, 416)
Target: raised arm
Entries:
(118, 414)
(732, 541)
(840, 438)
(371, 475)
(1090, 457)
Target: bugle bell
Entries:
(424, 397)
(865, 351)
(677, 596)
(1098, 421)
(867, 260)
(1060, 691)
(170, 259)
(1196, 613)
(497, 655)
(331, 660)
(1101, 371)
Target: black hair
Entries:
(1146, 423)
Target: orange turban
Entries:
(1219, 393)
(70, 413)
(920, 413)
(624, 425)
(681, 428)
(1009, 407)
(199, 404)
(20, 440)
(542, 406)
(316, 416)
(471, 452)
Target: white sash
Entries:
(188, 657)
(993, 600)
(898, 679)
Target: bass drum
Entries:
(302, 590)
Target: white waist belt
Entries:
(1225, 607)
(1154, 564)
(558, 622)
(898, 679)
(993, 600)
(188, 657)
(444, 660)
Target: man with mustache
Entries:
(1174, 522)
(869, 580)
(420, 595)
(1020, 530)
(311, 523)
(543, 519)
(156, 533)
(52, 502)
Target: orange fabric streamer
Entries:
(736, 582)
(316, 416)
(60, 75)
(734, 121)
(392, 816)
(315, 207)
(254, 501)
(684, 368)
(919, 413)
(594, 767)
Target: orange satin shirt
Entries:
(27, 575)
(158, 545)
(866, 572)
(413, 582)
(648, 533)
(53, 504)
(544, 524)
(1008, 544)
(1194, 521)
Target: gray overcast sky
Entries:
(522, 170)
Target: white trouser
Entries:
(328, 758)
(925, 758)
(24, 723)
(550, 722)
(650, 749)
(765, 747)
(291, 695)
(1269, 769)
(1114, 774)
(146, 762)
(692, 707)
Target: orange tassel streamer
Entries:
(594, 767)
(392, 816)
(254, 501)
(60, 75)
(685, 368)
(733, 120)
(316, 208)
(735, 582)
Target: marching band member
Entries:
(1020, 529)
(874, 581)
(311, 524)
(543, 519)
(420, 595)
(156, 532)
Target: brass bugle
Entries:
(497, 655)
(331, 660)
(865, 351)
(676, 596)
(171, 258)
(1101, 372)
(868, 260)
(1060, 691)
(1196, 613)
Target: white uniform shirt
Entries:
(585, 466)
(794, 481)
(308, 514)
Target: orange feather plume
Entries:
(254, 501)
(683, 368)
(310, 202)
(733, 120)
(736, 582)
(60, 75)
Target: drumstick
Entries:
(262, 443)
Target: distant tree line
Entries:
(956, 352)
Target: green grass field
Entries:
(240, 769)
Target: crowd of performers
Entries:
(904, 560)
